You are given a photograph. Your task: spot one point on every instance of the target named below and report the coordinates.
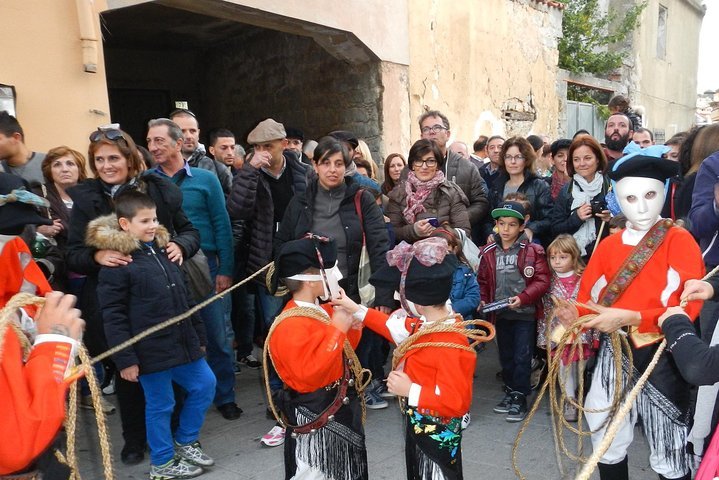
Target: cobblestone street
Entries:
(487, 443)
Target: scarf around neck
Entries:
(584, 193)
(417, 192)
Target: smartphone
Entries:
(433, 221)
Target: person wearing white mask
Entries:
(630, 281)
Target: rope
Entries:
(70, 458)
(86, 367)
(478, 336)
(362, 375)
(20, 300)
(611, 432)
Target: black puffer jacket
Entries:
(251, 200)
(298, 221)
(135, 297)
(90, 202)
(537, 192)
(463, 172)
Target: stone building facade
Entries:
(370, 66)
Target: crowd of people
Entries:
(514, 231)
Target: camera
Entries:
(598, 206)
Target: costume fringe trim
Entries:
(335, 449)
(663, 424)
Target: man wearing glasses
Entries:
(435, 126)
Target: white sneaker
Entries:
(274, 438)
(466, 418)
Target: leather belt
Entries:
(327, 415)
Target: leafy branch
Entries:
(590, 39)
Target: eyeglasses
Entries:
(433, 128)
(430, 162)
(111, 134)
(516, 158)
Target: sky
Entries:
(708, 78)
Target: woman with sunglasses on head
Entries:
(426, 199)
(118, 166)
(517, 175)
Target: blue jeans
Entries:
(215, 316)
(199, 383)
(270, 307)
(515, 339)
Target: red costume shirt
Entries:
(32, 392)
(445, 375)
(307, 353)
(659, 283)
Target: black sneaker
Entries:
(132, 454)
(518, 408)
(230, 411)
(503, 406)
(250, 362)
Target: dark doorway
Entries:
(233, 74)
(133, 108)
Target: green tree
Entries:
(588, 36)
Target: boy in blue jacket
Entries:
(145, 292)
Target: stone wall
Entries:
(266, 73)
(490, 66)
(665, 87)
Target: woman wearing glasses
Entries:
(426, 199)
(517, 176)
(580, 207)
(118, 166)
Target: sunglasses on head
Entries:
(111, 134)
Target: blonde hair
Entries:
(364, 151)
(565, 243)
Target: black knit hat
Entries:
(16, 213)
(297, 256)
(293, 132)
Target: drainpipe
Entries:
(88, 37)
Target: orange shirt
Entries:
(307, 353)
(32, 394)
(445, 375)
(32, 400)
(657, 286)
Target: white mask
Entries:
(333, 277)
(641, 200)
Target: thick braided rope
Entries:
(362, 375)
(619, 344)
(70, 458)
(7, 315)
(627, 406)
(478, 336)
(85, 367)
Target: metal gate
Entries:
(584, 116)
